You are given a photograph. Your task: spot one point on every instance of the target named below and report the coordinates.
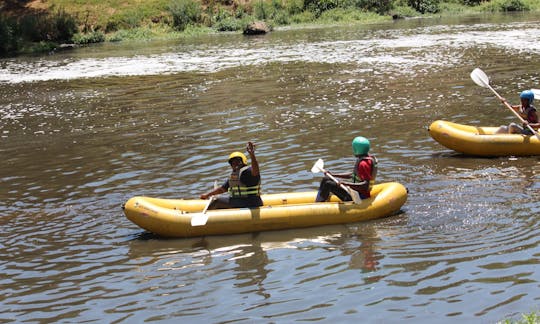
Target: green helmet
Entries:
(360, 146)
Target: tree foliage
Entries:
(8, 34)
(184, 13)
(425, 6)
(56, 27)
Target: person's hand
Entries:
(204, 196)
(250, 148)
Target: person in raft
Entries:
(243, 184)
(360, 179)
(527, 111)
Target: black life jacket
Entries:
(237, 189)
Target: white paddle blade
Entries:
(199, 219)
(318, 166)
(536, 93)
(355, 196)
(480, 78)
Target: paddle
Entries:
(536, 93)
(480, 78)
(201, 218)
(319, 167)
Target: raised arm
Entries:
(254, 164)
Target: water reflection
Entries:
(252, 260)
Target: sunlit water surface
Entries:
(82, 131)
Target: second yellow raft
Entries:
(482, 141)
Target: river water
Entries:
(84, 130)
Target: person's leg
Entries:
(502, 130)
(514, 128)
(327, 187)
(324, 191)
(220, 203)
(341, 193)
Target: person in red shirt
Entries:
(360, 179)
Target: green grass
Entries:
(350, 16)
(531, 318)
(117, 20)
(141, 15)
(506, 5)
(116, 14)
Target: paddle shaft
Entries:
(212, 198)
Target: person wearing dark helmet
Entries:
(243, 184)
(527, 111)
(360, 179)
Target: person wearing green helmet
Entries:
(527, 111)
(360, 179)
(243, 184)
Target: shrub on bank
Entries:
(381, 7)
(225, 21)
(184, 13)
(404, 12)
(124, 20)
(505, 5)
(425, 6)
(35, 32)
(303, 18)
(348, 15)
(8, 35)
(530, 318)
(320, 6)
(57, 26)
(88, 38)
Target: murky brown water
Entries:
(83, 131)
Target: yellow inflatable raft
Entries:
(482, 141)
(172, 217)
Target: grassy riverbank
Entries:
(39, 25)
(530, 318)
